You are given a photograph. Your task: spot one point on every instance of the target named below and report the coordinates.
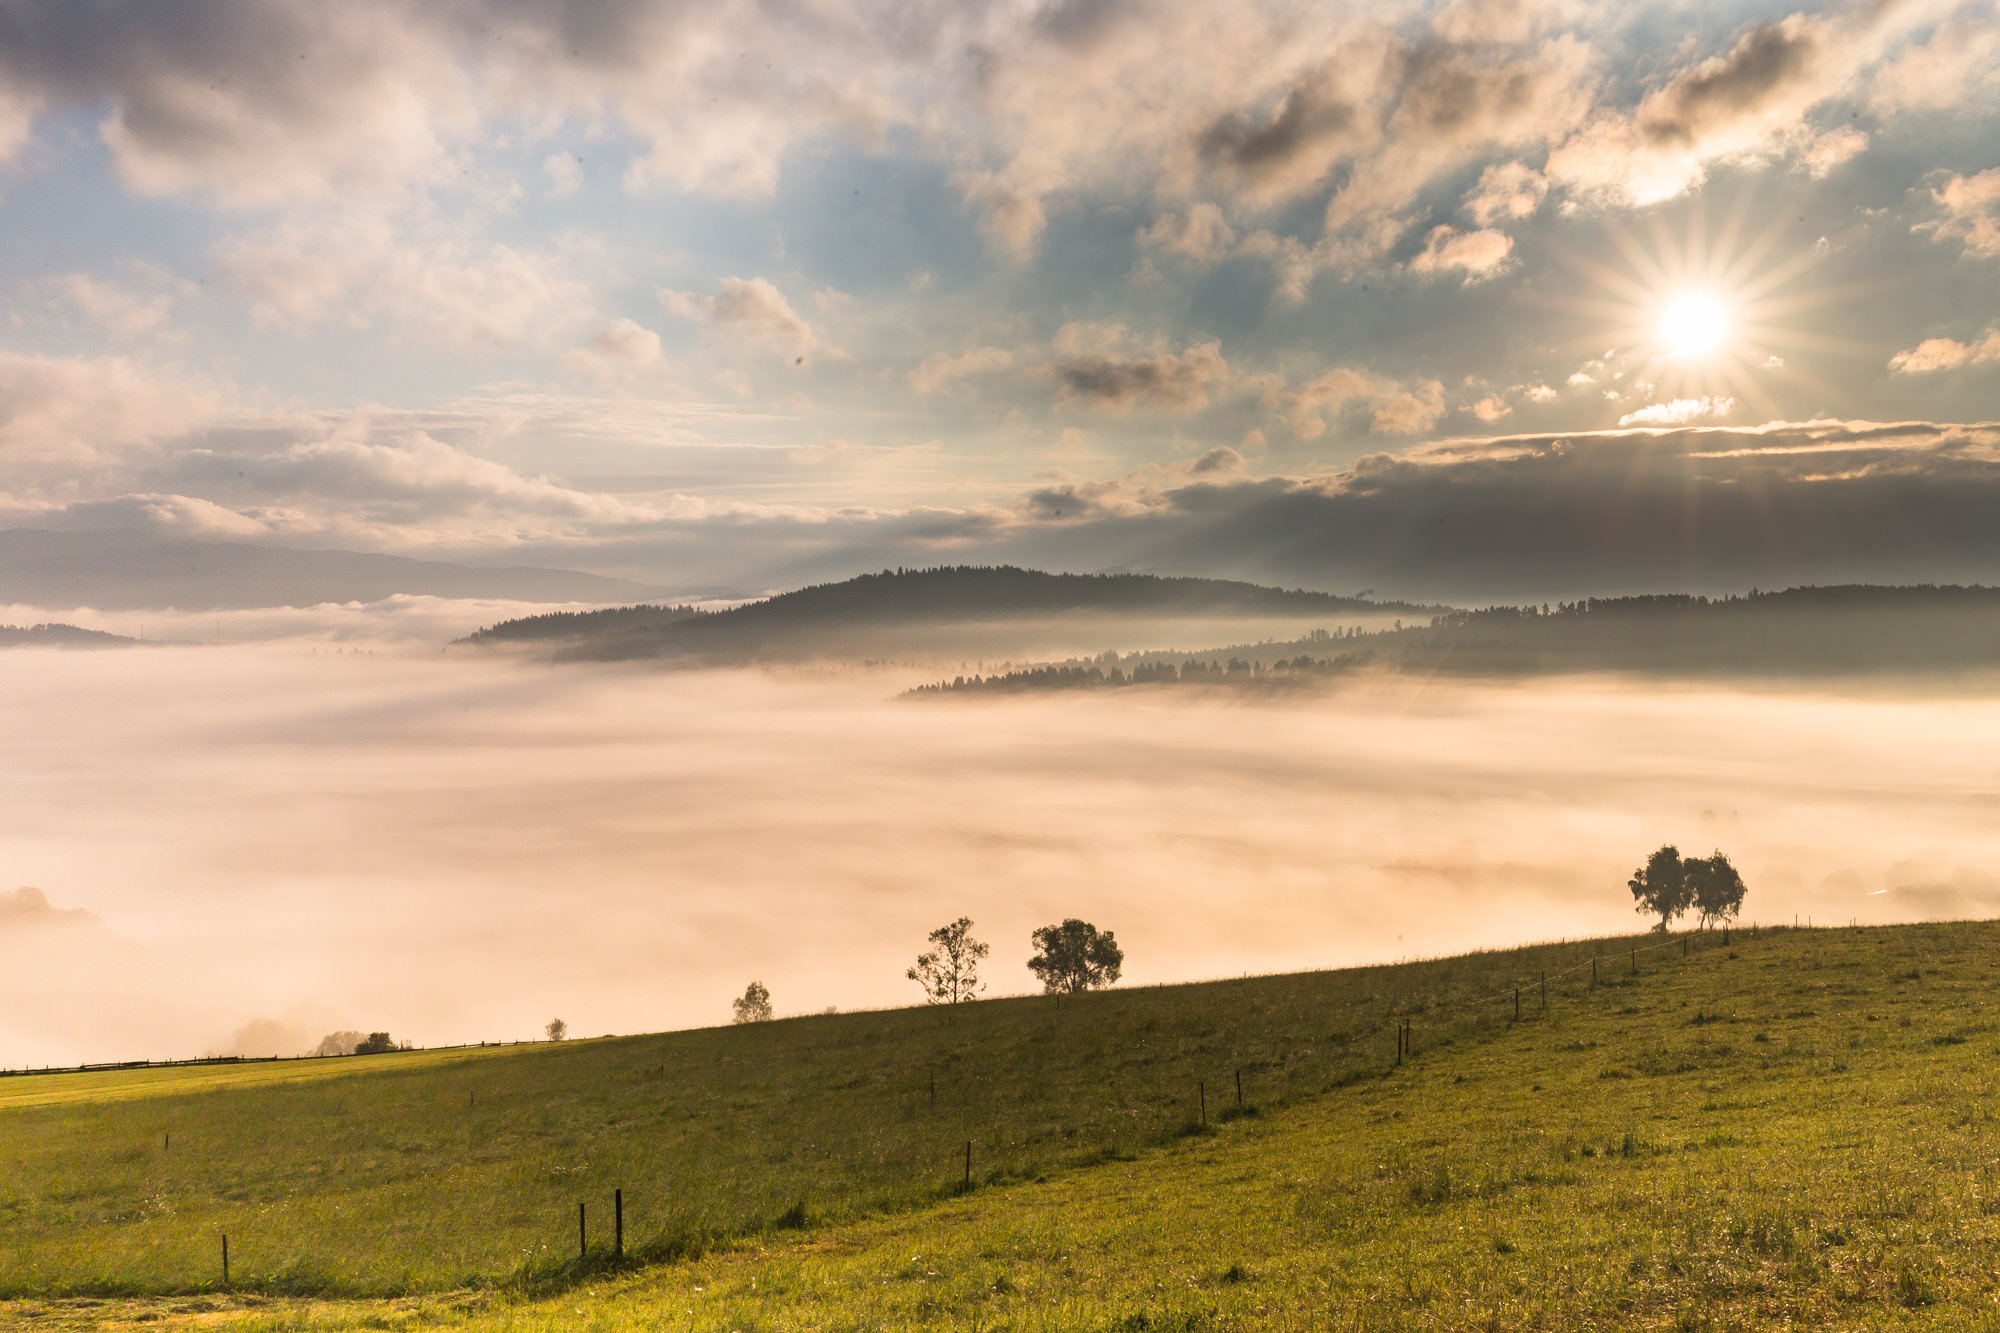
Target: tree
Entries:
(1660, 887)
(339, 1043)
(949, 973)
(755, 1004)
(557, 1029)
(1075, 956)
(376, 1043)
(1715, 890)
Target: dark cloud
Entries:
(1314, 124)
(1546, 517)
(1763, 69)
(1180, 381)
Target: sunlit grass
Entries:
(1792, 1131)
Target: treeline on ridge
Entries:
(1192, 671)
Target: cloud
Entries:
(1948, 72)
(1970, 207)
(1946, 354)
(444, 285)
(940, 372)
(1411, 411)
(1506, 191)
(1678, 412)
(1200, 235)
(68, 411)
(1689, 508)
(122, 310)
(627, 342)
(1173, 381)
(753, 311)
(1309, 408)
(1490, 408)
(1755, 98)
(1477, 254)
(1317, 122)
(1012, 218)
(1456, 104)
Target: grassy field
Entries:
(1795, 1130)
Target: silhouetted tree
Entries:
(1660, 887)
(339, 1043)
(1075, 956)
(1715, 890)
(376, 1043)
(949, 973)
(557, 1029)
(754, 1005)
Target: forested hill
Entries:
(838, 617)
(59, 636)
(1800, 632)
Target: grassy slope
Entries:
(1796, 1131)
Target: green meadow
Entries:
(1794, 1129)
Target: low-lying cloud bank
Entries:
(453, 849)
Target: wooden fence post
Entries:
(1239, 1089)
(225, 1258)
(618, 1222)
(968, 1164)
(582, 1235)
(933, 1074)
(1201, 1092)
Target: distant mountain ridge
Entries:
(130, 572)
(828, 616)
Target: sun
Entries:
(1694, 325)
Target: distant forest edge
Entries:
(1851, 629)
(59, 636)
(937, 596)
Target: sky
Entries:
(1485, 299)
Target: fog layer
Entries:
(272, 844)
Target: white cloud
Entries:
(123, 309)
(1678, 412)
(939, 372)
(1970, 212)
(1200, 235)
(1506, 191)
(1477, 254)
(1946, 354)
(445, 285)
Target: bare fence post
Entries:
(933, 1074)
(968, 1164)
(225, 1258)
(582, 1235)
(1201, 1092)
(1239, 1089)
(618, 1222)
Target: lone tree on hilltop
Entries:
(1075, 956)
(1714, 889)
(754, 1005)
(557, 1029)
(375, 1043)
(949, 973)
(1660, 887)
